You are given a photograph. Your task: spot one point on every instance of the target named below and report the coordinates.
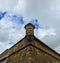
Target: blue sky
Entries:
(43, 14)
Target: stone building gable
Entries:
(30, 50)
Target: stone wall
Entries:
(31, 54)
(45, 48)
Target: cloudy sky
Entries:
(15, 14)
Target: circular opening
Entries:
(29, 28)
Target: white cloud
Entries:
(43, 32)
(7, 5)
(10, 29)
(55, 6)
(57, 49)
(4, 46)
(20, 7)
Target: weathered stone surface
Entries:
(31, 54)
